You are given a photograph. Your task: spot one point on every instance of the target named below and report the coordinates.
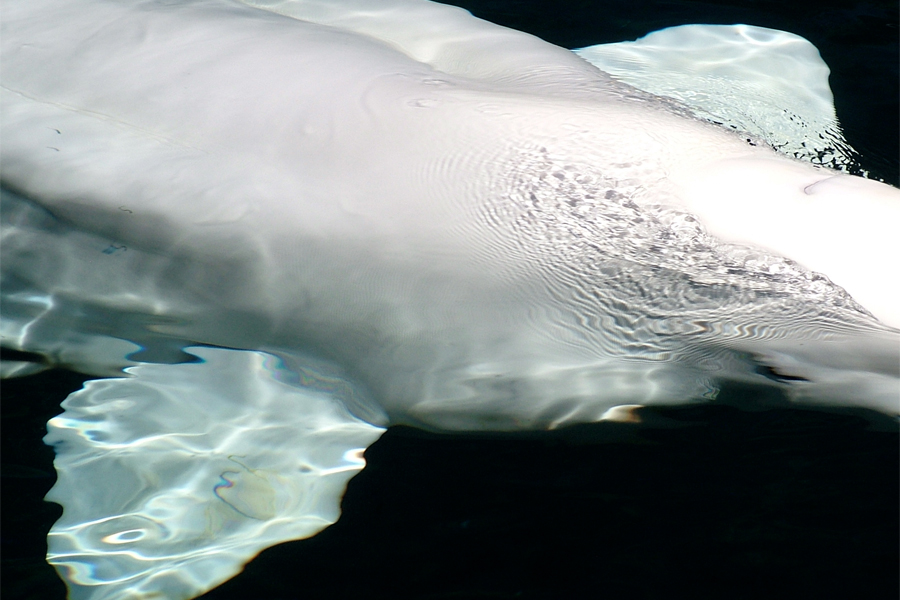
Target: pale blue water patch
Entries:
(212, 461)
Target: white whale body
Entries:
(277, 228)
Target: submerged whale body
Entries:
(277, 228)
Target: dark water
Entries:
(703, 502)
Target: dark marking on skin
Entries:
(771, 373)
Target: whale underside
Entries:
(274, 229)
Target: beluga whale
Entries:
(271, 229)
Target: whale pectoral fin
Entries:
(768, 83)
(174, 477)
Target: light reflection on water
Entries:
(212, 461)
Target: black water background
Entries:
(706, 502)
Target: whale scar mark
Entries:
(811, 188)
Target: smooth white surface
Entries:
(844, 227)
